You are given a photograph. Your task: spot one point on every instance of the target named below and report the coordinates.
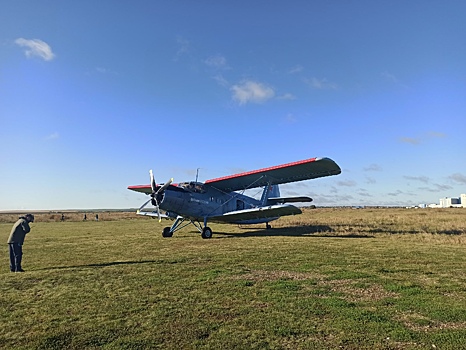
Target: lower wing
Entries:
(257, 215)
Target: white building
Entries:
(451, 202)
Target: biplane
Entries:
(223, 199)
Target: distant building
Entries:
(451, 202)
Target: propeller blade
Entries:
(153, 184)
(142, 206)
(155, 193)
(164, 187)
(160, 190)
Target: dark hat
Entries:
(31, 217)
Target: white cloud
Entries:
(220, 79)
(347, 183)
(392, 79)
(183, 47)
(363, 193)
(441, 187)
(436, 135)
(251, 92)
(424, 179)
(389, 77)
(373, 167)
(410, 140)
(52, 136)
(321, 84)
(396, 193)
(296, 69)
(426, 137)
(370, 180)
(287, 96)
(460, 178)
(36, 47)
(290, 119)
(216, 61)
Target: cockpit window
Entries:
(196, 187)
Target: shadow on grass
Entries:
(297, 231)
(113, 263)
(452, 232)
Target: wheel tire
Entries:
(166, 232)
(206, 233)
(267, 226)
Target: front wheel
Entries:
(206, 233)
(166, 232)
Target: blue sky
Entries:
(93, 94)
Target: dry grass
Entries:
(427, 224)
(328, 279)
(69, 215)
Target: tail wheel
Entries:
(166, 232)
(206, 233)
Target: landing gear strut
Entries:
(205, 231)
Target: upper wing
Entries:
(291, 172)
(147, 189)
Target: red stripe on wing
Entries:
(262, 170)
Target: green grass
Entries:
(328, 279)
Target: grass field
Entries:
(327, 279)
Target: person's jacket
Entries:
(19, 231)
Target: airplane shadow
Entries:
(316, 231)
(296, 231)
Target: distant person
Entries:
(96, 217)
(16, 240)
(62, 217)
(85, 217)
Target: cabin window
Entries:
(195, 187)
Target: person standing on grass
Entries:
(15, 242)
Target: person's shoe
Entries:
(19, 270)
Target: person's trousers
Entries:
(16, 255)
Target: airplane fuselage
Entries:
(196, 201)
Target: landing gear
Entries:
(166, 232)
(179, 223)
(206, 233)
(267, 226)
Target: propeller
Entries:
(153, 185)
(155, 193)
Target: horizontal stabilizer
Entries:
(278, 200)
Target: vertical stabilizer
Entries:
(270, 191)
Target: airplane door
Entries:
(239, 205)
